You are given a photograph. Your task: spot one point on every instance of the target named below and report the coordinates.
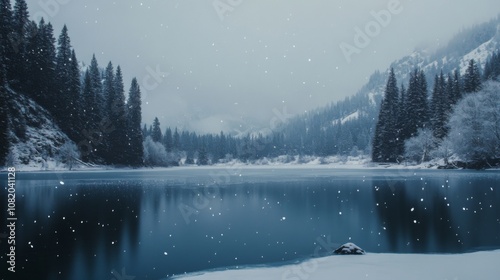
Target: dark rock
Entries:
(349, 249)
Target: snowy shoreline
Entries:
(477, 265)
(240, 165)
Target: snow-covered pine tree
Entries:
(135, 148)
(385, 147)
(472, 78)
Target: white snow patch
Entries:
(351, 117)
(479, 265)
(479, 54)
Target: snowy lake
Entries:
(151, 224)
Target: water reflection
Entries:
(152, 226)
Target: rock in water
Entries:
(349, 249)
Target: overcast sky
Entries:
(245, 62)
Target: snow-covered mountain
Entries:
(352, 120)
(36, 140)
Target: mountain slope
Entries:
(35, 139)
(349, 124)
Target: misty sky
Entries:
(232, 69)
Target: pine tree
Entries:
(107, 115)
(118, 115)
(63, 71)
(492, 67)
(457, 88)
(417, 108)
(109, 90)
(43, 72)
(31, 61)
(96, 81)
(88, 116)
(6, 32)
(4, 116)
(20, 22)
(202, 156)
(145, 132)
(438, 107)
(472, 78)
(156, 132)
(167, 140)
(176, 140)
(74, 120)
(401, 121)
(135, 148)
(385, 144)
(449, 94)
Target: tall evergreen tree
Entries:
(119, 134)
(156, 132)
(43, 76)
(108, 89)
(63, 72)
(20, 22)
(167, 140)
(107, 115)
(96, 81)
(438, 107)
(449, 94)
(31, 61)
(135, 148)
(89, 112)
(74, 120)
(401, 121)
(385, 143)
(4, 116)
(6, 31)
(457, 88)
(492, 67)
(472, 78)
(176, 140)
(417, 108)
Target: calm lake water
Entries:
(154, 224)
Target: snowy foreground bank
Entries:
(479, 265)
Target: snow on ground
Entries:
(478, 266)
(480, 56)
